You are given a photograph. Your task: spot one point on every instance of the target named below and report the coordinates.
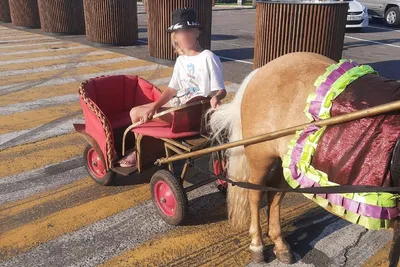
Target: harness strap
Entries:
(342, 189)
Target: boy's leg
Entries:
(136, 114)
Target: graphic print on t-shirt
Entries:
(192, 86)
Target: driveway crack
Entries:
(349, 247)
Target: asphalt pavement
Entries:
(53, 214)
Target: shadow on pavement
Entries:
(358, 44)
(236, 53)
(206, 209)
(306, 235)
(223, 37)
(388, 69)
(371, 29)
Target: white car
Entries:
(357, 15)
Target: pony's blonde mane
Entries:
(226, 121)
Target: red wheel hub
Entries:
(95, 164)
(165, 198)
(217, 171)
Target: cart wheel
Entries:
(96, 168)
(169, 197)
(214, 167)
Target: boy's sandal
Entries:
(128, 163)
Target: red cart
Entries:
(106, 103)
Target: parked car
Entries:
(387, 9)
(357, 15)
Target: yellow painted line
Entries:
(229, 97)
(193, 245)
(24, 35)
(155, 74)
(2, 28)
(381, 258)
(27, 157)
(47, 44)
(54, 53)
(73, 71)
(20, 206)
(162, 87)
(77, 59)
(33, 118)
(41, 92)
(21, 239)
(13, 32)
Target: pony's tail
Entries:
(226, 121)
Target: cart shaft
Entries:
(377, 110)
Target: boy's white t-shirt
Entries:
(194, 76)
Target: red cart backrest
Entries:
(118, 94)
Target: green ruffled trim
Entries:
(337, 88)
(321, 79)
(340, 85)
(367, 222)
(386, 200)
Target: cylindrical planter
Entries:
(299, 26)
(5, 11)
(159, 17)
(62, 16)
(25, 13)
(112, 22)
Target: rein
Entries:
(342, 189)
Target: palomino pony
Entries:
(270, 98)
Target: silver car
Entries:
(387, 9)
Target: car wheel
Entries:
(392, 16)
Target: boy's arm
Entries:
(166, 96)
(220, 94)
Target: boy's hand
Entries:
(215, 102)
(148, 115)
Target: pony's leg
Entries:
(257, 175)
(281, 249)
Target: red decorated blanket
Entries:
(352, 153)
(359, 152)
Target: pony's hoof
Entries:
(257, 257)
(285, 257)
